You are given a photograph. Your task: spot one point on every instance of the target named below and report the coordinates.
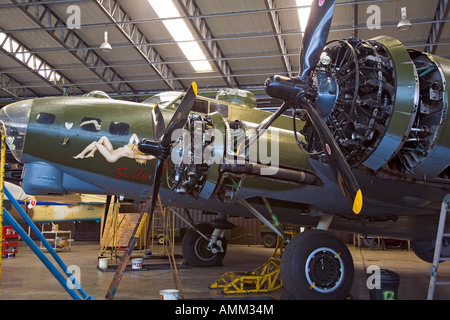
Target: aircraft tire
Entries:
(424, 249)
(269, 240)
(330, 271)
(194, 248)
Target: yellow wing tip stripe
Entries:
(237, 151)
(194, 87)
(358, 202)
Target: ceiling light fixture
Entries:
(181, 34)
(303, 13)
(105, 46)
(404, 24)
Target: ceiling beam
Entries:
(130, 30)
(276, 27)
(45, 17)
(15, 88)
(24, 3)
(203, 32)
(21, 54)
(437, 26)
(202, 16)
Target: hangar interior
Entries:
(134, 49)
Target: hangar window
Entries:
(200, 106)
(45, 118)
(221, 108)
(91, 124)
(119, 128)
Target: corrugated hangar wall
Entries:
(246, 231)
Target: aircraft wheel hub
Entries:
(324, 270)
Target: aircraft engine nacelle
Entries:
(385, 105)
(196, 153)
(208, 157)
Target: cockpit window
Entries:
(200, 106)
(119, 128)
(221, 108)
(91, 124)
(14, 118)
(163, 99)
(45, 118)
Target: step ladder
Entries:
(438, 248)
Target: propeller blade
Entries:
(150, 207)
(181, 114)
(155, 188)
(316, 34)
(298, 92)
(344, 176)
(159, 147)
(158, 123)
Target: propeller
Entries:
(299, 92)
(160, 147)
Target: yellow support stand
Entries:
(264, 279)
(162, 232)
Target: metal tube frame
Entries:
(39, 252)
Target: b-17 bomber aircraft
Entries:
(365, 151)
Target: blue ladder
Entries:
(69, 284)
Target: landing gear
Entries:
(201, 252)
(317, 265)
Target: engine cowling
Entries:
(385, 105)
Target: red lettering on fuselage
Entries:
(125, 173)
(138, 174)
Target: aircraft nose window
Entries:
(14, 118)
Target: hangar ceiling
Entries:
(43, 52)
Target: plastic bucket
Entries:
(389, 283)
(168, 294)
(136, 263)
(103, 263)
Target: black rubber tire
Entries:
(194, 248)
(269, 240)
(424, 249)
(331, 267)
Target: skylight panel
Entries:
(303, 13)
(181, 34)
(33, 62)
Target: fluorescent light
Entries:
(181, 34)
(303, 13)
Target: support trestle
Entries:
(265, 278)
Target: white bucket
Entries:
(136, 263)
(103, 263)
(168, 294)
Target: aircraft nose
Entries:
(14, 118)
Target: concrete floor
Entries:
(24, 277)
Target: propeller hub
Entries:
(289, 89)
(154, 148)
